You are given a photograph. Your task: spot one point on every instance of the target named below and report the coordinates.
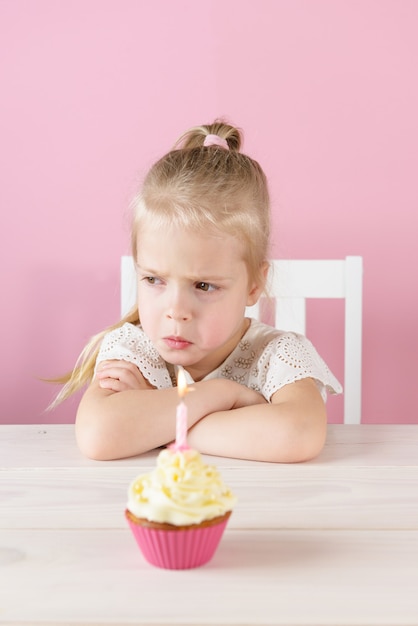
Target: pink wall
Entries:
(92, 91)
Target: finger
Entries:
(106, 366)
(112, 384)
(127, 379)
(120, 374)
(103, 365)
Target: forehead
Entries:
(174, 244)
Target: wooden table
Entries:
(329, 542)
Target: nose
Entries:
(178, 308)
(177, 315)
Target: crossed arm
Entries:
(122, 415)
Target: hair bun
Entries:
(195, 137)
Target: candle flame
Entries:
(181, 383)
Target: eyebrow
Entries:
(203, 278)
(148, 271)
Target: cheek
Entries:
(149, 324)
(147, 312)
(221, 324)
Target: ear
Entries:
(256, 289)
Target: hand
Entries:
(247, 397)
(120, 376)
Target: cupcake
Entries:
(179, 511)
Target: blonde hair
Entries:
(204, 189)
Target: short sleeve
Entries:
(291, 357)
(129, 343)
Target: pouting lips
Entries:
(177, 343)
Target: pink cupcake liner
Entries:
(184, 548)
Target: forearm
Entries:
(224, 418)
(285, 432)
(111, 425)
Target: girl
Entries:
(200, 242)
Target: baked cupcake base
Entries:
(177, 547)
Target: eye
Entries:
(151, 280)
(202, 286)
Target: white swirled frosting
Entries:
(181, 490)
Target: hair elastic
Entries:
(215, 140)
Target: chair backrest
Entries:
(290, 284)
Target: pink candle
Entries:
(181, 426)
(181, 414)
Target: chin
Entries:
(177, 358)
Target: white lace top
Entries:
(265, 359)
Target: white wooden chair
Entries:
(290, 284)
